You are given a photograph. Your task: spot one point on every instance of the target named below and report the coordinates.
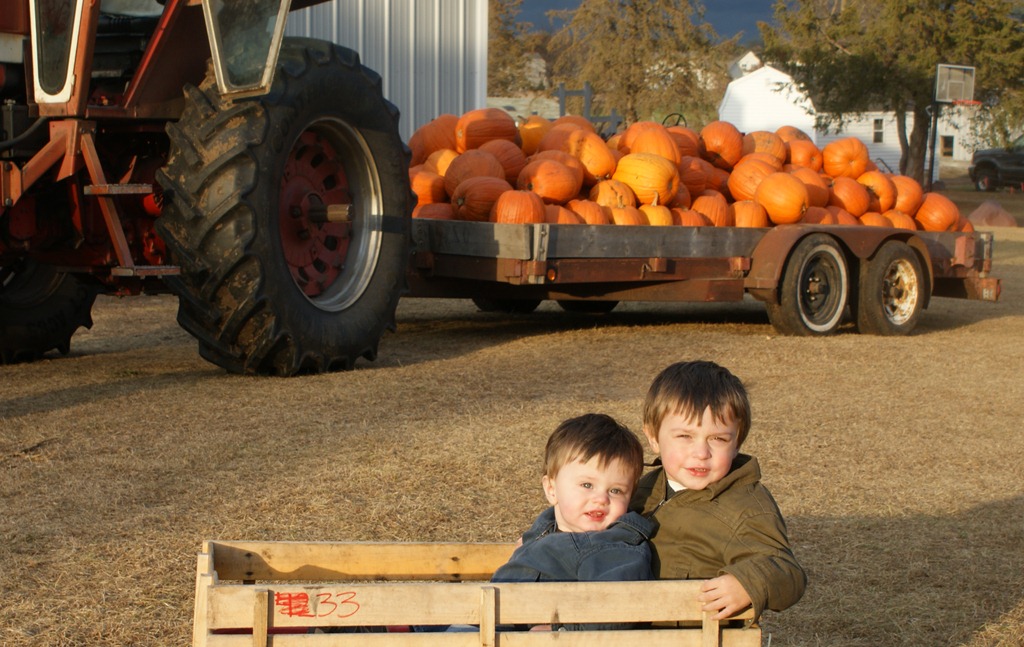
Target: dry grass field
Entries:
(898, 462)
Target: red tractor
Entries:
(191, 146)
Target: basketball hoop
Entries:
(966, 102)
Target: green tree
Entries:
(644, 58)
(509, 45)
(851, 56)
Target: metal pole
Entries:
(935, 131)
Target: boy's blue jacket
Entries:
(620, 552)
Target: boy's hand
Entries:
(724, 594)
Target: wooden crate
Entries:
(285, 594)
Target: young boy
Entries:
(716, 521)
(591, 467)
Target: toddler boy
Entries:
(591, 467)
(716, 521)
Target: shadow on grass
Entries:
(914, 580)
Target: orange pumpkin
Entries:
(682, 199)
(687, 141)
(771, 160)
(472, 163)
(532, 131)
(783, 196)
(518, 207)
(846, 157)
(578, 121)
(900, 220)
(653, 178)
(747, 213)
(658, 141)
(718, 180)
(560, 156)
(553, 181)
(849, 194)
(632, 131)
(690, 218)
(435, 211)
(556, 214)
(803, 152)
(482, 125)
(627, 216)
(440, 160)
(427, 186)
(937, 213)
(590, 212)
(843, 217)
(875, 219)
(510, 156)
(909, 194)
(597, 160)
(437, 134)
(693, 172)
(475, 197)
(881, 190)
(657, 215)
(791, 134)
(714, 207)
(817, 190)
(746, 176)
(612, 193)
(763, 141)
(722, 144)
(819, 216)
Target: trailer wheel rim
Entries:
(822, 289)
(900, 292)
(331, 263)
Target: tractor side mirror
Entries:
(245, 39)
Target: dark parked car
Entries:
(995, 167)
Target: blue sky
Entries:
(727, 16)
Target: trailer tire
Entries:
(40, 309)
(270, 283)
(890, 293)
(814, 289)
(506, 306)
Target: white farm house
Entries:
(767, 98)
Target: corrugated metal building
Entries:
(431, 54)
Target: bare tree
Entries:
(644, 58)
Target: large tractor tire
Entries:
(40, 308)
(270, 283)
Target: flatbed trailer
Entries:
(809, 277)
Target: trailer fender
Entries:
(771, 253)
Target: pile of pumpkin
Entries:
(484, 166)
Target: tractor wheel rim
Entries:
(331, 263)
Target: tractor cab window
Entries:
(246, 36)
(54, 22)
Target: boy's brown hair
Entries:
(688, 388)
(593, 434)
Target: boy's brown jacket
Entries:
(732, 526)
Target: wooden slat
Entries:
(644, 638)
(361, 604)
(357, 561)
(257, 613)
(260, 617)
